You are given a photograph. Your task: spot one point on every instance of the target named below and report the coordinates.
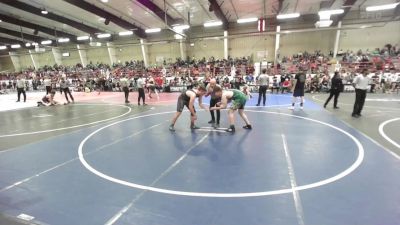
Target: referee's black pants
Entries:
(67, 91)
(126, 91)
(213, 102)
(21, 90)
(141, 95)
(359, 103)
(48, 90)
(262, 92)
(333, 92)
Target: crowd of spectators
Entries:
(230, 73)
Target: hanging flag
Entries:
(261, 24)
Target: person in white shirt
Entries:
(21, 87)
(394, 79)
(64, 86)
(263, 81)
(164, 71)
(361, 85)
(151, 85)
(47, 84)
(140, 85)
(125, 87)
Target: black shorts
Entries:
(181, 104)
(298, 92)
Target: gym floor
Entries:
(102, 162)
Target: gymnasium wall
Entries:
(370, 38)
(46, 58)
(239, 46)
(72, 59)
(98, 55)
(207, 49)
(26, 61)
(258, 47)
(6, 63)
(293, 43)
(128, 53)
(159, 52)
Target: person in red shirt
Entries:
(285, 85)
(159, 82)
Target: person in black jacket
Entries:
(336, 88)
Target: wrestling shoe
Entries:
(231, 129)
(248, 126)
(194, 127)
(171, 128)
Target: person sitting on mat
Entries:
(48, 100)
(238, 99)
(187, 99)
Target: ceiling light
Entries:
(382, 7)
(16, 46)
(323, 23)
(178, 37)
(28, 45)
(153, 30)
(103, 35)
(1, 21)
(247, 20)
(181, 27)
(213, 24)
(65, 54)
(63, 40)
(45, 12)
(288, 16)
(35, 44)
(3, 47)
(125, 33)
(47, 42)
(82, 38)
(105, 1)
(95, 44)
(331, 12)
